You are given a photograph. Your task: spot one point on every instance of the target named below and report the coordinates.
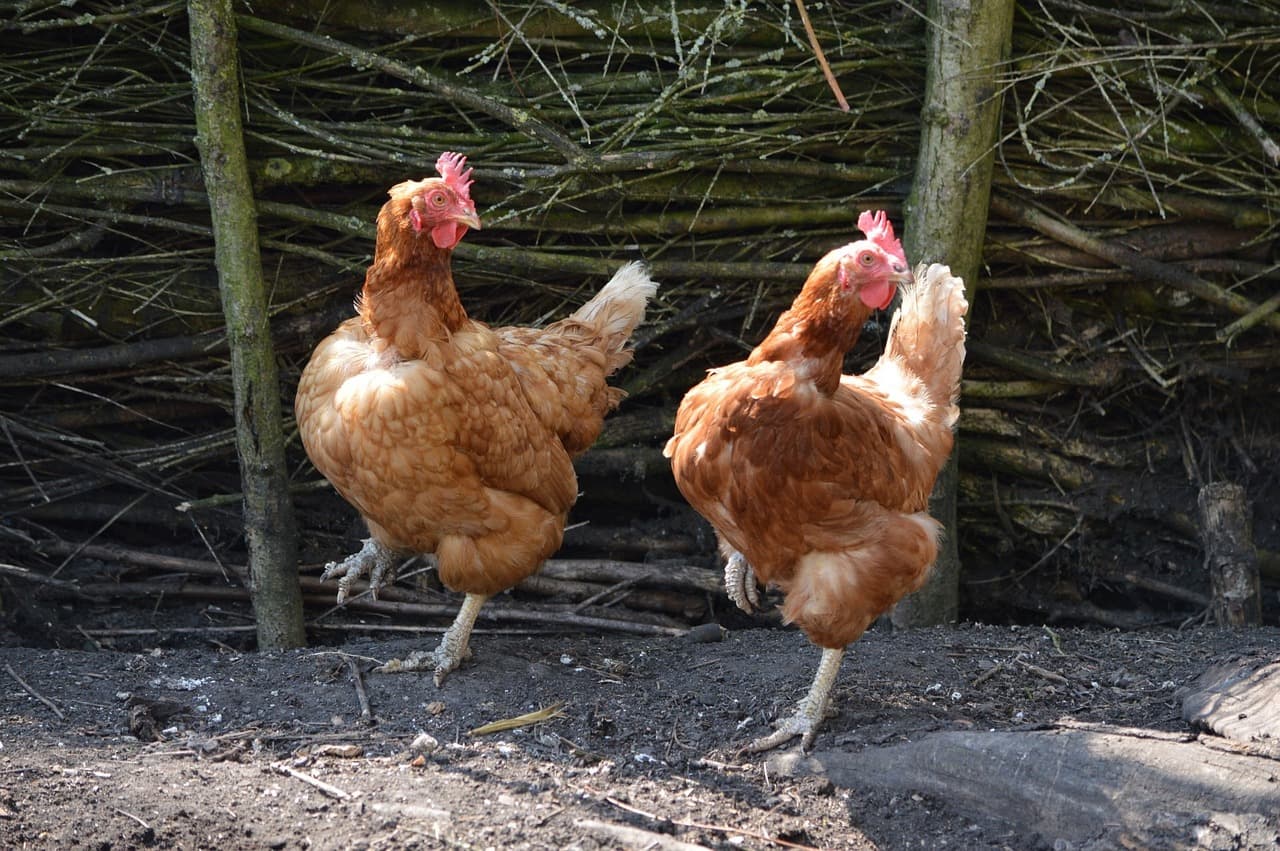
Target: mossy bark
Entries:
(946, 212)
(270, 531)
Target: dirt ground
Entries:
(196, 745)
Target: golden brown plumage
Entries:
(820, 481)
(448, 436)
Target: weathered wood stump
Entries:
(1230, 556)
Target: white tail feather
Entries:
(619, 306)
(927, 333)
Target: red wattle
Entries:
(878, 294)
(447, 234)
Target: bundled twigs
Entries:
(1123, 331)
(1131, 260)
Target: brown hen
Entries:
(819, 482)
(450, 437)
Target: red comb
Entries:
(878, 230)
(450, 166)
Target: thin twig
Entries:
(607, 592)
(635, 837)
(822, 57)
(366, 713)
(37, 695)
(28, 575)
(1250, 319)
(128, 814)
(719, 828)
(989, 673)
(1247, 121)
(327, 788)
(1044, 673)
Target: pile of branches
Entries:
(1123, 332)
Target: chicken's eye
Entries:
(437, 199)
(866, 258)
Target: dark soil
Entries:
(198, 745)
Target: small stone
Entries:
(424, 743)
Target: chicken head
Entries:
(874, 266)
(440, 207)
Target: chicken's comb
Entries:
(450, 166)
(880, 231)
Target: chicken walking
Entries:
(450, 437)
(819, 482)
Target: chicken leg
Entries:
(811, 710)
(453, 645)
(740, 583)
(379, 561)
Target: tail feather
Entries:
(927, 334)
(617, 309)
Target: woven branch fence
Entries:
(1124, 347)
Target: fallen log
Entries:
(1240, 701)
(560, 617)
(670, 590)
(1121, 788)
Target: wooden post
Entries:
(268, 512)
(1229, 555)
(965, 45)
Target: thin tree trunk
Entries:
(268, 513)
(947, 211)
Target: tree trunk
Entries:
(946, 212)
(268, 513)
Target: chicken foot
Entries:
(811, 710)
(740, 583)
(379, 561)
(453, 645)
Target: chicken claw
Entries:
(740, 583)
(809, 713)
(452, 650)
(373, 558)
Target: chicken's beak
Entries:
(469, 218)
(902, 274)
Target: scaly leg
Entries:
(374, 559)
(810, 711)
(740, 583)
(453, 646)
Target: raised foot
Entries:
(379, 562)
(740, 583)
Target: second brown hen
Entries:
(818, 482)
